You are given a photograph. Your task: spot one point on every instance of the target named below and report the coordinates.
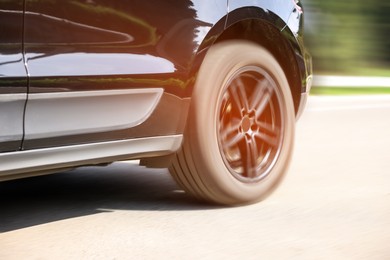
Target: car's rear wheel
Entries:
(239, 138)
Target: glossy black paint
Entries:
(136, 42)
(13, 75)
(11, 47)
(103, 44)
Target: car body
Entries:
(96, 81)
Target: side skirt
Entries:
(42, 161)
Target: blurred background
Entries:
(349, 37)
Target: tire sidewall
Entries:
(219, 65)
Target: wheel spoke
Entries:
(237, 163)
(251, 158)
(233, 141)
(262, 104)
(258, 94)
(269, 139)
(269, 128)
(228, 129)
(238, 93)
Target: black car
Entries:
(210, 89)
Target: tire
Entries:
(240, 132)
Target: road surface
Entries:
(334, 203)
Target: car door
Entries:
(13, 76)
(79, 51)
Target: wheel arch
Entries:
(263, 28)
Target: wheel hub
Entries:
(246, 124)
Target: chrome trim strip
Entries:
(81, 112)
(96, 93)
(13, 97)
(40, 160)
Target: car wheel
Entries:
(239, 136)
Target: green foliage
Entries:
(347, 36)
(349, 91)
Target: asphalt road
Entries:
(334, 203)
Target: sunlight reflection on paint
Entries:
(96, 64)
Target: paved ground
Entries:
(334, 203)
